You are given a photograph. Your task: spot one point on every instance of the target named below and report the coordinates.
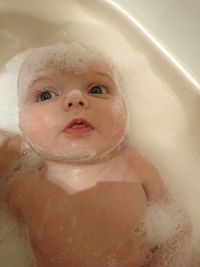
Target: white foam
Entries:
(171, 222)
(8, 91)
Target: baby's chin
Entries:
(78, 155)
(73, 156)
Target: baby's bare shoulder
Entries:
(138, 162)
(148, 173)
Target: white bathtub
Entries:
(167, 129)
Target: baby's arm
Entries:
(168, 227)
(174, 251)
(149, 176)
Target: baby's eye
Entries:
(98, 90)
(44, 96)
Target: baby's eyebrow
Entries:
(39, 79)
(108, 76)
(104, 74)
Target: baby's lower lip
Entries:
(79, 130)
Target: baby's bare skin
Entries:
(101, 225)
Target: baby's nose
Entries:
(75, 99)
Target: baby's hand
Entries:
(10, 148)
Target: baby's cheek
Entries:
(36, 126)
(119, 118)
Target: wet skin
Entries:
(93, 226)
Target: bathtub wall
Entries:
(176, 23)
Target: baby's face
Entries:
(74, 117)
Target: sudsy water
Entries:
(163, 118)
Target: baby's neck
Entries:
(85, 162)
(79, 175)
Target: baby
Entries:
(86, 206)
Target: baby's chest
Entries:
(103, 221)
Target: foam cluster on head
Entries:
(74, 58)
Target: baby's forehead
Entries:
(97, 67)
(73, 58)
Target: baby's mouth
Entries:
(78, 127)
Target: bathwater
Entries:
(163, 102)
